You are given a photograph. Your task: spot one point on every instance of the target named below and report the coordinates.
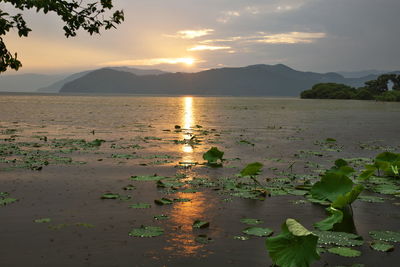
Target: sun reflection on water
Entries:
(182, 241)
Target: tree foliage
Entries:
(373, 90)
(75, 14)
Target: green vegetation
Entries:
(373, 90)
(73, 13)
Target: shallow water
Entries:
(246, 129)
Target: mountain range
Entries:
(253, 80)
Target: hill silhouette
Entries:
(254, 80)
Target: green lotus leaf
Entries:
(200, 224)
(381, 246)
(252, 169)
(295, 246)
(241, 237)
(345, 252)
(258, 231)
(213, 155)
(6, 201)
(140, 206)
(161, 217)
(390, 236)
(341, 167)
(110, 196)
(371, 199)
(163, 201)
(251, 221)
(331, 186)
(42, 220)
(328, 223)
(348, 198)
(147, 178)
(203, 239)
(146, 231)
(338, 239)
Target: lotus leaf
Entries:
(213, 155)
(251, 221)
(295, 246)
(338, 239)
(258, 231)
(331, 186)
(381, 246)
(251, 169)
(146, 231)
(328, 223)
(390, 236)
(345, 252)
(200, 224)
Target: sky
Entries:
(195, 35)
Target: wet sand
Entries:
(86, 230)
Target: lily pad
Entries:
(345, 252)
(241, 237)
(381, 246)
(203, 239)
(251, 221)
(140, 206)
(389, 236)
(147, 178)
(348, 198)
(294, 246)
(371, 199)
(161, 217)
(338, 238)
(7, 201)
(258, 231)
(252, 169)
(200, 224)
(110, 196)
(163, 201)
(43, 220)
(147, 231)
(213, 155)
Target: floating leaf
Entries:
(295, 246)
(182, 200)
(328, 223)
(140, 206)
(203, 239)
(241, 237)
(390, 236)
(147, 178)
(161, 217)
(251, 221)
(200, 224)
(331, 186)
(213, 155)
(6, 201)
(345, 252)
(110, 196)
(338, 239)
(258, 231)
(129, 187)
(43, 220)
(381, 246)
(163, 201)
(146, 231)
(252, 169)
(371, 199)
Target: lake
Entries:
(61, 157)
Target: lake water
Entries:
(142, 137)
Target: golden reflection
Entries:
(182, 241)
(187, 122)
(182, 215)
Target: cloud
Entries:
(151, 62)
(228, 15)
(291, 38)
(208, 48)
(191, 34)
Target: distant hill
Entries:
(254, 80)
(55, 87)
(26, 82)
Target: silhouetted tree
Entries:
(75, 14)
